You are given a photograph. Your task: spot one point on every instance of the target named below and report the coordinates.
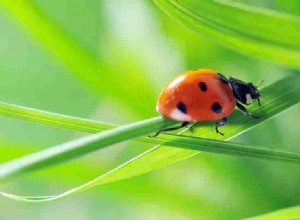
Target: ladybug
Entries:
(204, 95)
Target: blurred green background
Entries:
(144, 49)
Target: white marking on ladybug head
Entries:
(179, 116)
(175, 82)
(248, 98)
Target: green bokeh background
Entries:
(136, 39)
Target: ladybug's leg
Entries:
(219, 124)
(195, 125)
(245, 111)
(184, 124)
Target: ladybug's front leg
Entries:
(221, 123)
(245, 111)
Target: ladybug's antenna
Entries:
(259, 83)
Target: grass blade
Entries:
(82, 146)
(91, 143)
(276, 99)
(183, 142)
(289, 213)
(261, 33)
(53, 119)
(230, 148)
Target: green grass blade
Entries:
(186, 142)
(82, 146)
(277, 98)
(261, 33)
(230, 148)
(102, 77)
(289, 213)
(53, 119)
(91, 143)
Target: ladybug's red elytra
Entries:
(204, 95)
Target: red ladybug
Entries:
(204, 95)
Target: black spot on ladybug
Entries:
(223, 78)
(182, 107)
(216, 107)
(203, 86)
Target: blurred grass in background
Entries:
(137, 42)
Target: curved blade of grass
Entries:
(289, 213)
(182, 141)
(278, 99)
(102, 77)
(257, 32)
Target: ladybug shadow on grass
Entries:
(204, 95)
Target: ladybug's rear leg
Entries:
(184, 124)
(245, 111)
(219, 124)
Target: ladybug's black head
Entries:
(244, 92)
